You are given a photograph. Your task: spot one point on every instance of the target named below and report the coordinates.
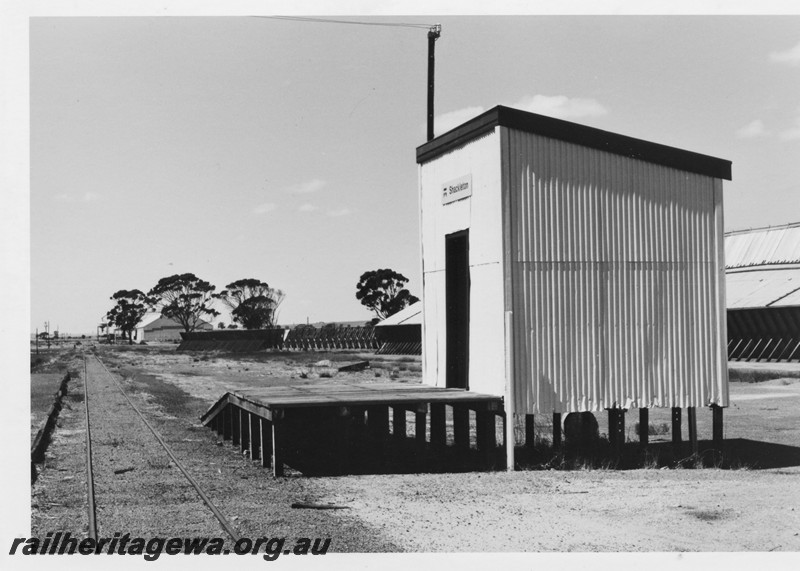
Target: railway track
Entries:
(112, 438)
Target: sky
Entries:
(243, 147)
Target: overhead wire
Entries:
(355, 22)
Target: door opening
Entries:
(457, 307)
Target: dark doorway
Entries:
(457, 291)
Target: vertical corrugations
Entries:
(722, 314)
(616, 284)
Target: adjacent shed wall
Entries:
(616, 280)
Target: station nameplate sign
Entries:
(457, 189)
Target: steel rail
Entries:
(92, 509)
(217, 513)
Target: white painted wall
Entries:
(481, 214)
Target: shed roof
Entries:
(411, 315)
(574, 133)
(763, 246)
(158, 320)
(770, 287)
(148, 319)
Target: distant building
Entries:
(401, 333)
(762, 268)
(155, 327)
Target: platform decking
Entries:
(257, 419)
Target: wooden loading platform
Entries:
(346, 428)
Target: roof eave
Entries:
(574, 133)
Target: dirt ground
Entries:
(752, 505)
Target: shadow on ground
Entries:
(739, 453)
(323, 453)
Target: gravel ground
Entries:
(594, 510)
(139, 490)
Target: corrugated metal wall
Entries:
(481, 214)
(617, 280)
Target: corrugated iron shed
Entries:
(595, 266)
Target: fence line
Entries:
(326, 338)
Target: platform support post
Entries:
(420, 419)
(277, 443)
(691, 414)
(717, 433)
(378, 428)
(644, 427)
(487, 439)
(344, 438)
(461, 427)
(226, 422)
(235, 426)
(244, 430)
(438, 424)
(556, 431)
(530, 431)
(255, 437)
(676, 431)
(378, 420)
(399, 423)
(266, 441)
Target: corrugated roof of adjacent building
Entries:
(774, 287)
(763, 246)
(151, 319)
(411, 315)
(763, 267)
(148, 319)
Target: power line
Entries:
(332, 21)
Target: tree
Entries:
(131, 306)
(221, 325)
(185, 299)
(253, 303)
(383, 291)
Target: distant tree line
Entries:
(187, 300)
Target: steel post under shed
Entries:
(508, 402)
